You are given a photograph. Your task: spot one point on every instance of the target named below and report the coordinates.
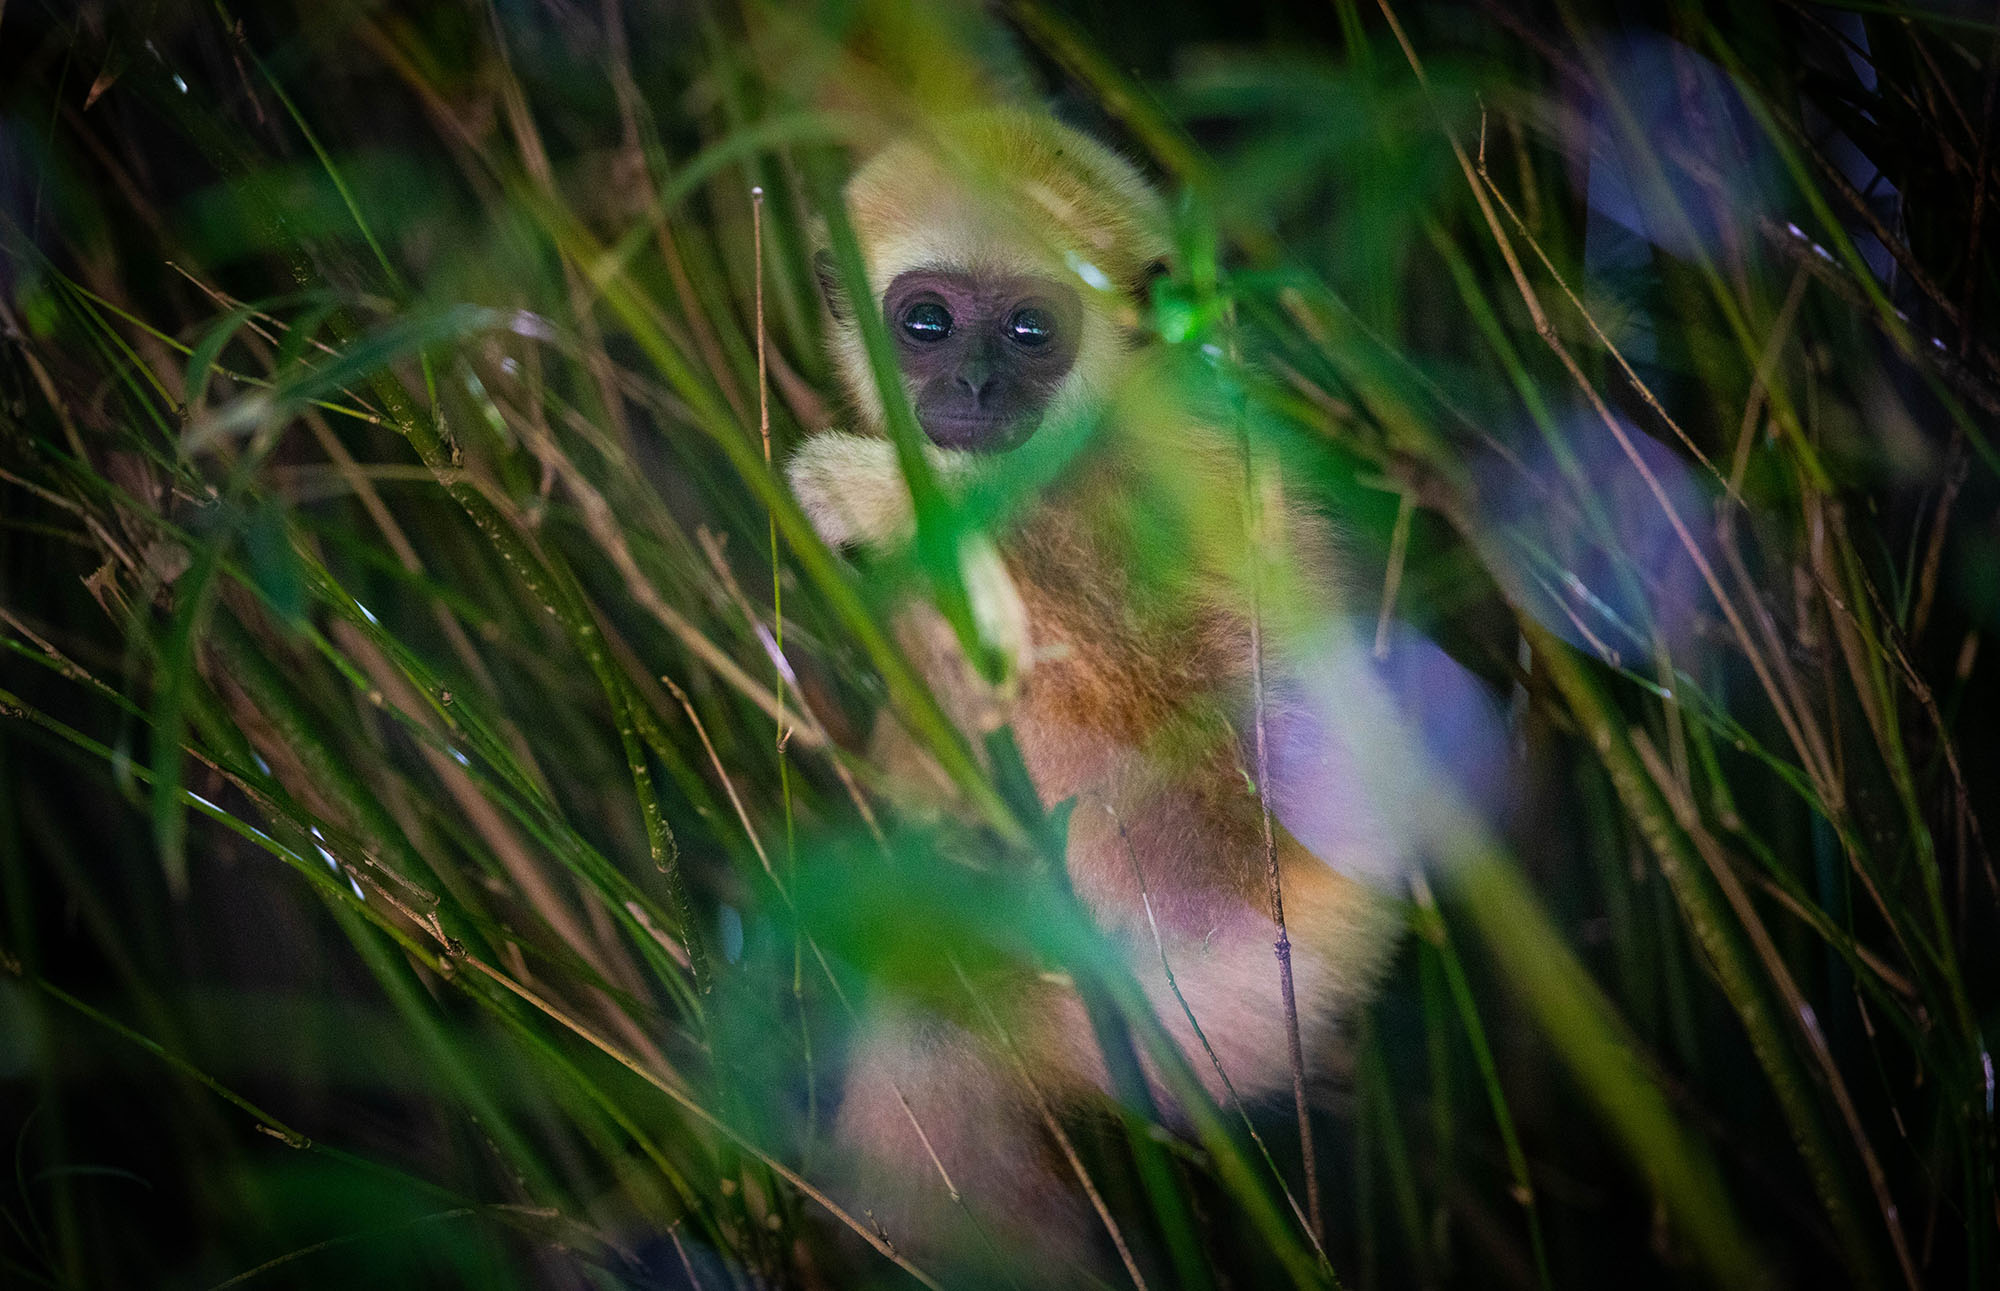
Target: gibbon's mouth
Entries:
(977, 434)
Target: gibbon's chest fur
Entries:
(1120, 667)
(1136, 707)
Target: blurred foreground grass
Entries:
(431, 849)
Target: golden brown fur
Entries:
(1129, 701)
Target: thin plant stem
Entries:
(1260, 511)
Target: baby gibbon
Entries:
(1011, 258)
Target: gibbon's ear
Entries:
(830, 288)
(1152, 273)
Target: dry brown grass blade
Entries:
(1639, 386)
(1055, 1131)
(604, 527)
(1214, 1060)
(605, 954)
(835, 756)
(1689, 819)
(1264, 503)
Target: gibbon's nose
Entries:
(978, 376)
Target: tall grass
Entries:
(434, 846)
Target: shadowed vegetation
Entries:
(436, 846)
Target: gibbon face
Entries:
(982, 353)
(1009, 256)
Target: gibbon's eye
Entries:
(927, 321)
(1031, 327)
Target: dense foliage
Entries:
(434, 843)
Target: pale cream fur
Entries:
(853, 491)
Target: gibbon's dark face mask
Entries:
(984, 352)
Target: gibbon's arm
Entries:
(851, 487)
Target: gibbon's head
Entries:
(1007, 254)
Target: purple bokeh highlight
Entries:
(1375, 761)
(1592, 545)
